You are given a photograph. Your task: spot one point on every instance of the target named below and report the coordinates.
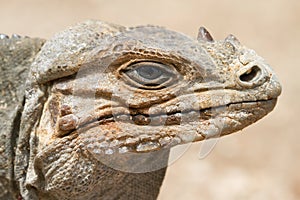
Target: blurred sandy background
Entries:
(261, 162)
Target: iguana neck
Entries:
(16, 55)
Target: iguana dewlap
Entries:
(103, 104)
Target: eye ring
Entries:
(149, 75)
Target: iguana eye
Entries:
(149, 72)
(150, 75)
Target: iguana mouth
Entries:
(174, 117)
(178, 117)
(167, 130)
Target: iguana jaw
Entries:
(110, 134)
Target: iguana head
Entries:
(150, 86)
(113, 90)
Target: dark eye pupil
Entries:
(149, 72)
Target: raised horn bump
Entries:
(16, 36)
(3, 36)
(204, 35)
(232, 39)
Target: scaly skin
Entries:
(105, 103)
(16, 55)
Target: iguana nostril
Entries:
(251, 74)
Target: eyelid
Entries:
(168, 75)
(153, 63)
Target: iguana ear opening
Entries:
(204, 35)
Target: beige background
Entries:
(261, 162)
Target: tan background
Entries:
(261, 162)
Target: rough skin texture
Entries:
(105, 103)
(16, 55)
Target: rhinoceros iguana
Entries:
(93, 112)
